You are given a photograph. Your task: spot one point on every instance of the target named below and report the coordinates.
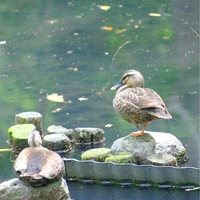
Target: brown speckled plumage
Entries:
(136, 104)
(37, 165)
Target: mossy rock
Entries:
(97, 154)
(57, 142)
(20, 139)
(162, 160)
(20, 127)
(30, 117)
(88, 135)
(122, 157)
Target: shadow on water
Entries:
(66, 48)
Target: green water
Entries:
(60, 47)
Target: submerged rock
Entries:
(153, 145)
(15, 189)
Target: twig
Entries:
(112, 63)
(195, 31)
(192, 189)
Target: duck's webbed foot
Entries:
(137, 134)
(140, 133)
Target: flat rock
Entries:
(88, 135)
(97, 154)
(152, 145)
(60, 129)
(57, 142)
(122, 157)
(14, 189)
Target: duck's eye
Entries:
(124, 79)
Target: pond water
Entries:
(67, 47)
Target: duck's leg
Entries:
(141, 133)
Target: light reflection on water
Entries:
(45, 41)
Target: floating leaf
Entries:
(107, 28)
(73, 68)
(103, 7)
(108, 125)
(155, 14)
(82, 98)
(120, 30)
(3, 42)
(57, 110)
(52, 21)
(56, 98)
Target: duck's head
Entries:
(35, 139)
(131, 78)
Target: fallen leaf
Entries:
(56, 98)
(75, 69)
(52, 21)
(70, 52)
(120, 30)
(103, 7)
(82, 99)
(56, 110)
(3, 42)
(107, 28)
(155, 14)
(108, 125)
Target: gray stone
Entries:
(30, 118)
(152, 143)
(57, 142)
(14, 189)
(88, 135)
(60, 129)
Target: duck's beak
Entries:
(118, 85)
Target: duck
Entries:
(136, 104)
(36, 165)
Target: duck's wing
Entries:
(146, 99)
(53, 166)
(21, 162)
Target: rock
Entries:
(97, 154)
(164, 159)
(30, 118)
(152, 143)
(122, 157)
(57, 142)
(89, 135)
(14, 189)
(59, 129)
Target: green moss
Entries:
(97, 154)
(123, 157)
(20, 127)
(19, 139)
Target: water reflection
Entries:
(46, 40)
